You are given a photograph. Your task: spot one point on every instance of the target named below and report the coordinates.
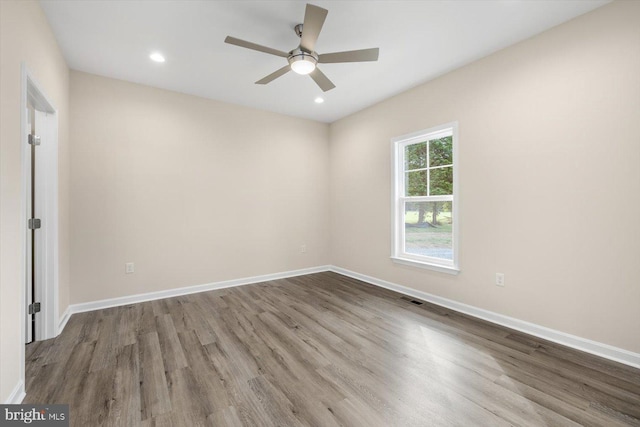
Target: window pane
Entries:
(428, 229)
(416, 183)
(441, 151)
(441, 182)
(415, 156)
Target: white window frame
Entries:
(398, 200)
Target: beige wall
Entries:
(193, 191)
(25, 36)
(549, 173)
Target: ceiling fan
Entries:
(303, 59)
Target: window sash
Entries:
(402, 238)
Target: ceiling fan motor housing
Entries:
(298, 54)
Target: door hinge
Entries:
(34, 223)
(34, 308)
(34, 139)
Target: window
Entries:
(425, 220)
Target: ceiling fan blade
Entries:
(271, 77)
(361, 55)
(314, 17)
(322, 80)
(259, 48)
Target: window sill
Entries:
(427, 266)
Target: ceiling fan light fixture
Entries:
(302, 62)
(303, 66)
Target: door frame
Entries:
(47, 198)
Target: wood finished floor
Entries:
(318, 350)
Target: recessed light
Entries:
(156, 57)
(318, 100)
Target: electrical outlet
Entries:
(129, 268)
(499, 279)
(303, 249)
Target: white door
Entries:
(37, 261)
(40, 201)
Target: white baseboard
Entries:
(63, 320)
(599, 349)
(150, 296)
(17, 395)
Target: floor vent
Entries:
(416, 302)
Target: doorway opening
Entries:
(39, 149)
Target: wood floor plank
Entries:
(125, 409)
(318, 350)
(154, 391)
(578, 414)
(170, 346)
(355, 414)
(127, 317)
(194, 321)
(145, 321)
(178, 308)
(63, 381)
(189, 402)
(106, 344)
(247, 407)
(362, 386)
(279, 409)
(227, 417)
(209, 380)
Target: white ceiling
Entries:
(418, 40)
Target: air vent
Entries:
(411, 300)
